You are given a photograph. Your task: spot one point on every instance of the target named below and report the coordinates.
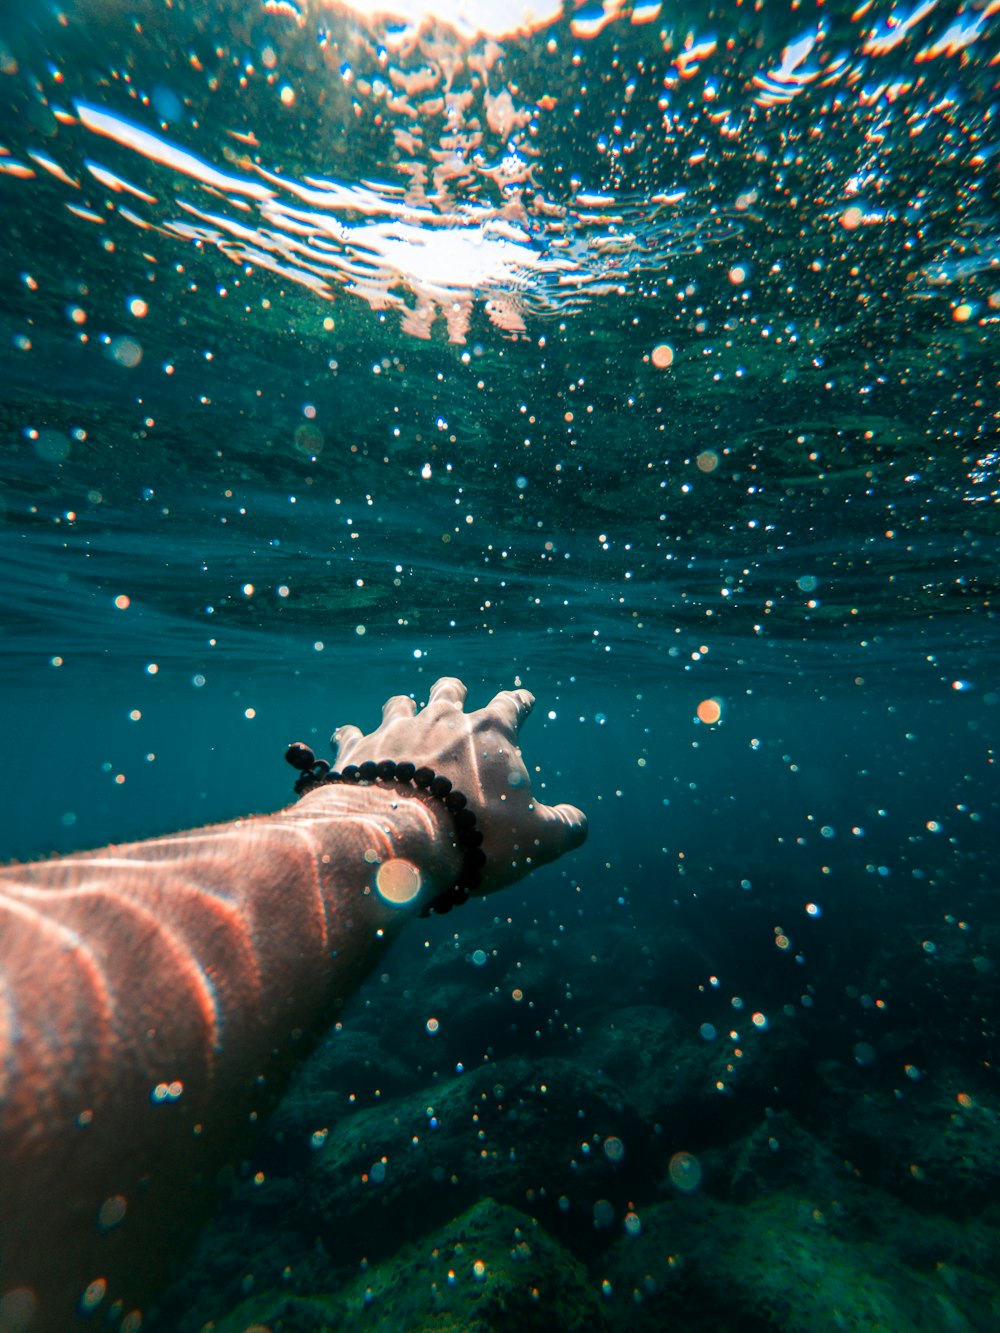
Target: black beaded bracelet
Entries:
(315, 773)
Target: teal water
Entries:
(647, 356)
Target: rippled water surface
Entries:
(309, 297)
(646, 353)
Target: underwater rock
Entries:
(549, 1136)
(617, 963)
(698, 1265)
(701, 1090)
(347, 1069)
(937, 978)
(492, 1268)
(655, 1055)
(508, 1130)
(933, 1139)
(743, 1124)
(778, 1154)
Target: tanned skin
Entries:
(155, 996)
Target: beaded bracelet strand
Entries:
(315, 773)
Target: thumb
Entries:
(563, 827)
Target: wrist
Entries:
(395, 850)
(399, 881)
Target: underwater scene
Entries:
(640, 355)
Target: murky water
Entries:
(645, 354)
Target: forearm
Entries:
(203, 950)
(146, 989)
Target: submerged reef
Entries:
(511, 1131)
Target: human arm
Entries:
(154, 996)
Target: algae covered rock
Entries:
(933, 1139)
(552, 1137)
(700, 1090)
(491, 1269)
(782, 1263)
(779, 1154)
(559, 1142)
(652, 1053)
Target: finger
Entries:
(509, 709)
(448, 690)
(400, 705)
(344, 738)
(563, 828)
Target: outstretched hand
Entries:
(481, 755)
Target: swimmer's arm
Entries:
(153, 996)
(197, 958)
(193, 958)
